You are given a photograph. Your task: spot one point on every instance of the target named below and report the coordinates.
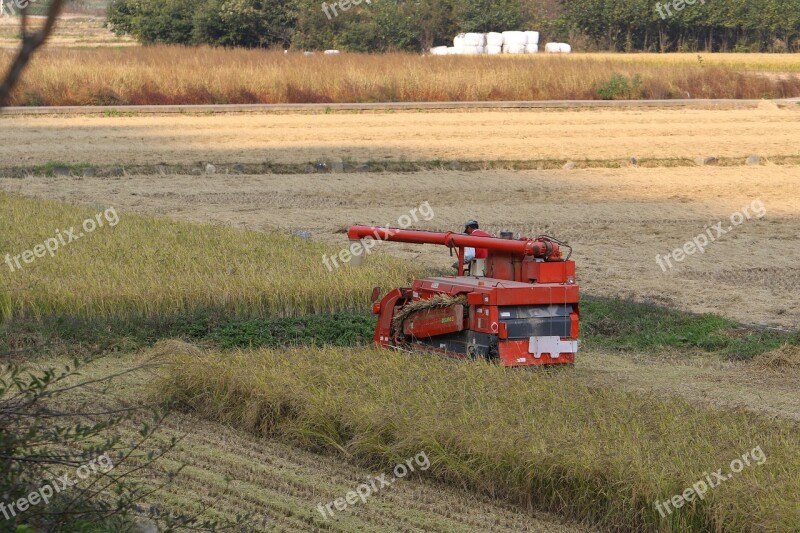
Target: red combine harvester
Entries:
(518, 307)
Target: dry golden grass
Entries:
(784, 358)
(549, 441)
(178, 75)
(751, 62)
(150, 267)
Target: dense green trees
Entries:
(686, 25)
(381, 25)
(249, 23)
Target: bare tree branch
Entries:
(30, 42)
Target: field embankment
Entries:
(180, 75)
(547, 441)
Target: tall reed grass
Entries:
(150, 267)
(179, 75)
(547, 441)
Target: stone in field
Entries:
(707, 161)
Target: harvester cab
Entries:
(519, 306)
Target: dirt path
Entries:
(617, 220)
(477, 135)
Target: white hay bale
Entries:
(494, 39)
(439, 51)
(452, 51)
(458, 42)
(531, 48)
(514, 38)
(492, 49)
(514, 49)
(533, 37)
(470, 50)
(474, 39)
(332, 52)
(558, 48)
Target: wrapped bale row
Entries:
(494, 43)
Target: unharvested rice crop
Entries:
(180, 75)
(548, 441)
(150, 267)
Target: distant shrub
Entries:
(620, 87)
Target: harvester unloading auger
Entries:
(518, 307)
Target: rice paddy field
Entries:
(180, 268)
(602, 456)
(611, 442)
(187, 252)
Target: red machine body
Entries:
(520, 306)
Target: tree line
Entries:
(394, 25)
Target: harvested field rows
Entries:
(461, 136)
(280, 485)
(596, 454)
